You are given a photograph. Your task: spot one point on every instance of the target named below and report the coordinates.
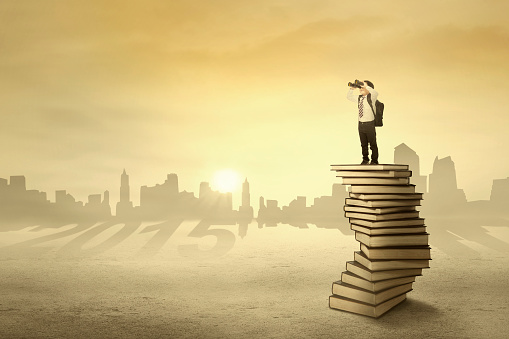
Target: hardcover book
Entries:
(386, 196)
(374, 298)
(415, 252)
(378, 167)
(381, 265)
(388, 223)
(385, 240)
(374, 286)
(375, 181)
(365, 273)
(382, 189)
(373, 174)
(350, 305)
(388, 230)
(381, 203)
(382, 217)
(379, 210)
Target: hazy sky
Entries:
(88, 88)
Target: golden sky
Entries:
(88, 88)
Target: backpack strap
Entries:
(371, 104)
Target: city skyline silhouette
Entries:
(165, 198)
(443, 202)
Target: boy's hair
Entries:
(370, 84)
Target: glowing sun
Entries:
(226, 180)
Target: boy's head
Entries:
(363, 90)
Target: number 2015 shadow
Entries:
(225, 239)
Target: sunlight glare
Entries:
(226, 180)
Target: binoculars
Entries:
(356, 83)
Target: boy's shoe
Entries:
(373, 162)
(364, 162)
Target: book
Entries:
(378, 210)
(365, 273)
(381, 189)
(350, 305)
(374, 286)
(379, 167)
(388, 223)
(373, 174)
(374, 298)
(392, 239)
(382, 217)
(408, 196)
(375, 181)
(388, 230)
(381, 203)
(394, 249)
(385, 253)
(382, 265)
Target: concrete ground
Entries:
(195, 280)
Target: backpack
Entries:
(379, 116)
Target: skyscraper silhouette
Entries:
(17, 184)
(500, 192)
(246, 210)
(124, 188)
(443, 189)
(405, 155)
(124, 206)
(161, 200)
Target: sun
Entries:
(226, 180)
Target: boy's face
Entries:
(363, 90)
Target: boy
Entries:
(367, 132)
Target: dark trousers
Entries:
(367, 134)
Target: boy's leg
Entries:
(363, 136)
(371, 136)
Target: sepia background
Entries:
(89, 88)
(99, 98)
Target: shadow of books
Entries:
(458, 235)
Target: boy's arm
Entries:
(374, 94)
(350, 96)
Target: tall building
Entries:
(3, 192)
(443, 188)
(161, 200)
(500, 192)
(246, 210)
(124, 188)
(18, 183)
(97, 207)
(269, 212)
(262, 208)
(106, 203)
(405, 155)
(214, 203)
(296, 209)
(124, 206)
(329, 207)
(205, 190)
(62, 198)
(173, 183)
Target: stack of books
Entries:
(393, 241)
